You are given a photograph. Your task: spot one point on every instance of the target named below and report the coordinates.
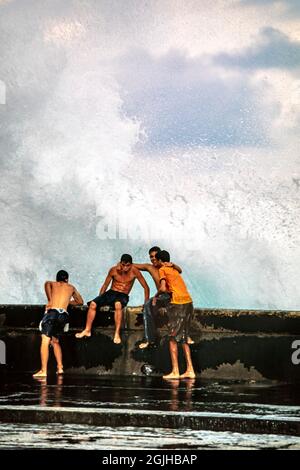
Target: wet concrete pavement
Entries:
(194, 413)
(151, 393)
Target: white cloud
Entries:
(63, 31)
(281, 88)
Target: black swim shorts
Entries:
(110, 297)
(53, 322)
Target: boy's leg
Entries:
(89, 320)
(149, 313)
(149, 326)
(44, 356)
(174, 359)
(189, 373)
(118, 322)
(58, 355)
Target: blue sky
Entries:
(196, 118)
(273, 49)
(287, 7)
(175, 121)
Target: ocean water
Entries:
(83, 437)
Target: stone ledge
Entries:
(247, 321)
(229, 356)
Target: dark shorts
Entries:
(109, 298)
(180, 316)
(163, 300)
(53, 322)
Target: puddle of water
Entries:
(153, 394)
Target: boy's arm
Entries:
(162, 281)
(107, 281)
(175, 266)
(77, 299)
(178, 268)
(143, 267)
(48, 292)
(163, 286)
(48, 289)
(144, 284)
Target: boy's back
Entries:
(175, 285)
(60, 293)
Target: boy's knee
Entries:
(118, 306)
(45, 339)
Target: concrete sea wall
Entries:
(229, 344)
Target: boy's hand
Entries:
(168, 264)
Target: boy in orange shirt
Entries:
(180, 314)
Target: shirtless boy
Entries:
(122, 277)
(59, 295)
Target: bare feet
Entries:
(84, 333)
(40, 373)
(190, 340)
(171, 376)
(117, 339)
(144, 345)
(188, 375)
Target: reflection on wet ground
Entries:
(145, 393)
(151, 394)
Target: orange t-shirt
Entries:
(175, 285)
